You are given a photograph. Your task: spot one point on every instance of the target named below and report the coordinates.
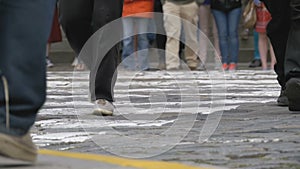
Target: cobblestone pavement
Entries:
(160, 116)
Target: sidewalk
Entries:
(49, 159)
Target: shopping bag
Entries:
(249, 15)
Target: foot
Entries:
(49, 63)
(103, 108)
(201, 67)
(255, 63)
(192, 64)
(282, 99)
(225, 66)
(293, 93)
(232, 67)
(18, 147)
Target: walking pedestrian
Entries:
(278, 30)
(25, 28)
(79, 20)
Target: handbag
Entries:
(249, 15)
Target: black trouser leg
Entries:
(292, 60)
(104, 12)
(80, 19)
(277, 30)
(160, 38)
(76, 20)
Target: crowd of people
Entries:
(22, 51)
(223, 21)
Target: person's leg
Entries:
(204, 15)
(263, 49)
(292, 60)
(23, 72)
(104, 12)
(128, 43)
(256, 62)
(272, 54)
(76, 18)
(143, 43)
(234, 17)
(215, 37)
(221, 22)
(23, 46)
(160, 38)
(277, 30)
(189, 13)
(172, 26)
(256, 46)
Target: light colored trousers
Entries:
(172, 22)
(205, 20)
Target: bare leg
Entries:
(263, 49)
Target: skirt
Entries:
(263, 18)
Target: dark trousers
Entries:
(161, 39)
(292, 60)
(24, 31)
(79, 20)
(278, 30)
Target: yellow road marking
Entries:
(141, 164)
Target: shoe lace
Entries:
(6, 97)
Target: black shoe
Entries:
(255, 63)
(293, 93)
(282, 99)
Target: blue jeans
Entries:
(24, 31)
(256, 50)
(130, 24)
(227, 24)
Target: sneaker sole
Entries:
(102, 112)
(13, 149)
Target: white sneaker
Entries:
(49, 63)
(18, 147)
(103, 108)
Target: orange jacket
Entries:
(134, 8)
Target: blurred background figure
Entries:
(160, 38)
(188, 10)
(256, 62)
(55, 36)
(227, 14)
(263, 18)
(135, 22)
(207, 26)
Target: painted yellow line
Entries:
(124, 162)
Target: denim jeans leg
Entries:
(143, 43)
(222, 25)
(256, 51)
(128, 59)
(22, 50)
(233, 25)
